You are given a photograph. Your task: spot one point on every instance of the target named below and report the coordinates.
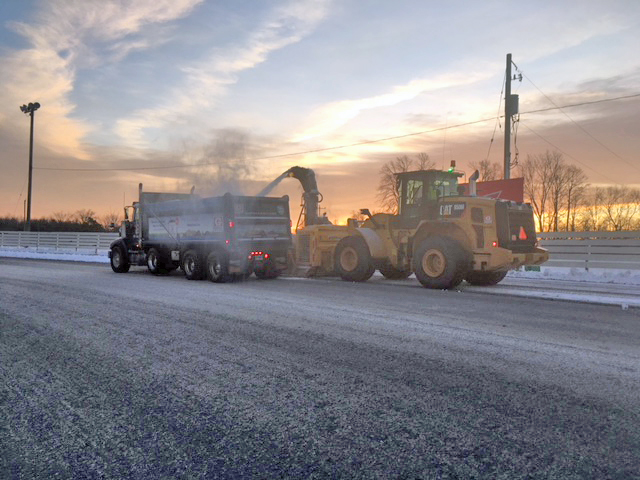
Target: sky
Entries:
(226, 95)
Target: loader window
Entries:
(414, 192)
(446, 187)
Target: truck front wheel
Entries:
(353, 260)
(483, 279)
(192, 265)
(119, 260)
(440, 262)
(155, 262)
(217, 267)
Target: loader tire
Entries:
(483, 279)
(217, 267)
(440, 263)
(392, 273)
(119, 260)
(192, 265)
(353, 260)
(155, 262)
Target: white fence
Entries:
(89, 242)
(616, 250)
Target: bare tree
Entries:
(535, 170)
(488, 170)
(558, 179)
(61, 216)
(388, 194)
(620, 205)
(576, 193)
(109, 219)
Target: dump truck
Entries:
(440, 234)
(219, 238)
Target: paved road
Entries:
(136, 376)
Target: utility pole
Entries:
(507, 120)
(510, 109)
(30, 110)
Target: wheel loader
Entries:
(439, 234)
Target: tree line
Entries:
(561, 197)
(79, 221)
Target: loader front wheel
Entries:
(483, 279)
(192, 265)
(441, 263)
(119, 260)
(353, 260)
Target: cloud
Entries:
(336, 114)
(64, 37)
(208, 80)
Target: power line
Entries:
(580, 126)
(338, 147)
(565, 153)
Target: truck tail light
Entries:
(232, 224)
(494, 243)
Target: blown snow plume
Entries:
(227, 167)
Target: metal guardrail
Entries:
(58, 241)
(585, 250)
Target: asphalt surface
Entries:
(108, 375)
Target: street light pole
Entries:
(30, 110)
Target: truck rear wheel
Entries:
(192, 265)
(353, 260)
(483, 279)
(119, 260)
(440, 262)
(155, 263)
(217, 267)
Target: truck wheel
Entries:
(155, 263)
(440, 262)
(217, 267)
(119, 260)
(192, 265)
(392, 273)
(353, 260)
(482, 279)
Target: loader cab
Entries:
(419, 192)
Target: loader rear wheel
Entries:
(441, 263)
(192, 265)
(483, 279)
(353, 260)
(217, 267)
(119, 260)
(392, 273)
(155, 263)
